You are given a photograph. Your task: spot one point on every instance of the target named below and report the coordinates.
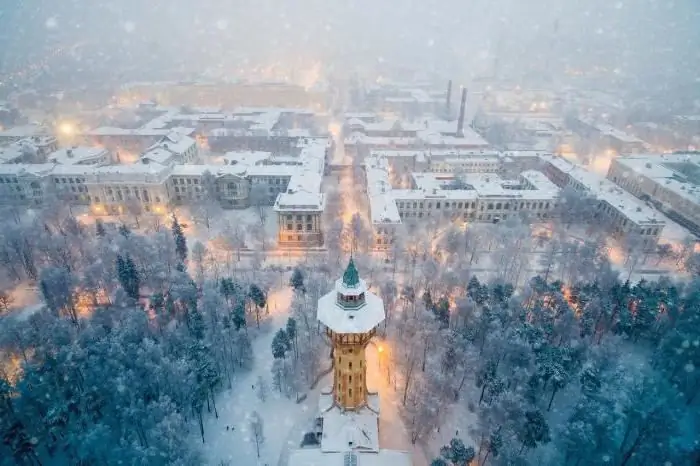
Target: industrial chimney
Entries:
(462, 108)
(448, 101)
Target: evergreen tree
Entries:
(442, 312)
(291, 330)
(439, 462)
(534, 430)
(257, 295)
(280, 344)
(238, 315)
(100, 228)
(180, 240)
(297, 280)
(457, 453)
(124, 230)
(128, 276)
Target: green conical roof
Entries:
(351, 278)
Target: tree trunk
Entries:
(201, 424)
(551, 399)
(213, 403)
(483, 390)
(409, 374)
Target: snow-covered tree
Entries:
(257, 431)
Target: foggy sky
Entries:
(641, 37)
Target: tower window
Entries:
(350, 365)
(350, 392)
(350, 379)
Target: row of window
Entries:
(299, 218)
(472, 205)
(270, 180)
(184, 189)
(300, 226)
(182, 181)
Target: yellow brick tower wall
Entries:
(350, 370)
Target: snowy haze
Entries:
(641, 38)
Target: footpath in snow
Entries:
(283, 419)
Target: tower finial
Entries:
(351, 277)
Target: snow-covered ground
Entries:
(392, 432)
(284, 420)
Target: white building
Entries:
(299, 211)
(130, 140)
(174, 148)
(77, 155)
(670, 181)
(456, 194)
(628, 215)
(23, 183)
(28, 150)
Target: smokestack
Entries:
(448, 101)
(462, 108)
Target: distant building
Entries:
(608, 136)
(300, 211)
(627, 215)
(77, 155)
(477, 194)
(670, 181)
(174, 148)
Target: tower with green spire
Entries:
(351, 314)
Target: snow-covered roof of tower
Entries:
(350, 320)
(315, 457)
(350, 430)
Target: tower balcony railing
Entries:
(353, 305)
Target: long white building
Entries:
(457, 195)
(628, 215)
(671, 181)
(489, 186)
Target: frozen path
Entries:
(392, 431)
(279, 414)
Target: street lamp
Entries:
(66, 129)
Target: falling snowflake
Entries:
(129, 26)
(690, 367)
(51, 23)
(685, 344)
(222, 24)
(431, 42)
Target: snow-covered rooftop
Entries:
(176, 142)
(350, 430)
(350, 320)
(13, 152)
(78, 155)
(24, 131)
(676, 172)
(158, 155)
(299, 201)
(315, 457)
(23, 169)
(605, 190)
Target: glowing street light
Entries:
(66, 129)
